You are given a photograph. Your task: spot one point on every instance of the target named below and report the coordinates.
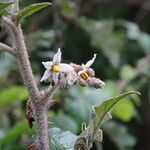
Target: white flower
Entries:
(54, 68)
(83, 74)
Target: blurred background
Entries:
(119, 32)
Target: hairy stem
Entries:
(38, 99)
(28, 79)
(41, 120)
(25, 67)
(39, 108)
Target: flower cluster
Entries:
(68, 74)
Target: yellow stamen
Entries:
(55, 68)
(84, 75)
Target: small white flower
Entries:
(54, 68)
(83, 74)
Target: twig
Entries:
(22, 58)
(49, 92)
(6, 48)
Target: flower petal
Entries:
(90, 62)
(46, 75)
(55, 77)
(47, 64)
(65, 67)
(57, 57)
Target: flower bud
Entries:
(67, 79)
(82, 82)
(95, 82)
(76, 67)
(90, 72)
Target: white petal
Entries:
(66, 67)
(84, 67)
(90, 62)
(55, 77)
(46, 75)
(57, 56)
(47, 64)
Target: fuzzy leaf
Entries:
(84, 140)
(99, 111)
(29, 10)
(98, 136)
(107, 117)
(62, 140)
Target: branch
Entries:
(49, 92)
(10, 29)
(22, 58)
(6, 48)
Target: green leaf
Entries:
(12, 94)
(99, 111)
(62, 140)
(127, 72)
(3, 6)
(144, 41)
(82, 99)
(110, 42)
(29, 10)
(15, 132)
(124, 110)
(67, 8)
(133, 31)
(61, 119)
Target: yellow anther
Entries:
(84, 75)
(55, 68)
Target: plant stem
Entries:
(38, 98)
(39, 107)
(41, 120)
(25, 67)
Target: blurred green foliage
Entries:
(82, 28)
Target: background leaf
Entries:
(62, 119)
(15, 132)
(29, 10)
(12, 94)
(124, 110)
(119, 135)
